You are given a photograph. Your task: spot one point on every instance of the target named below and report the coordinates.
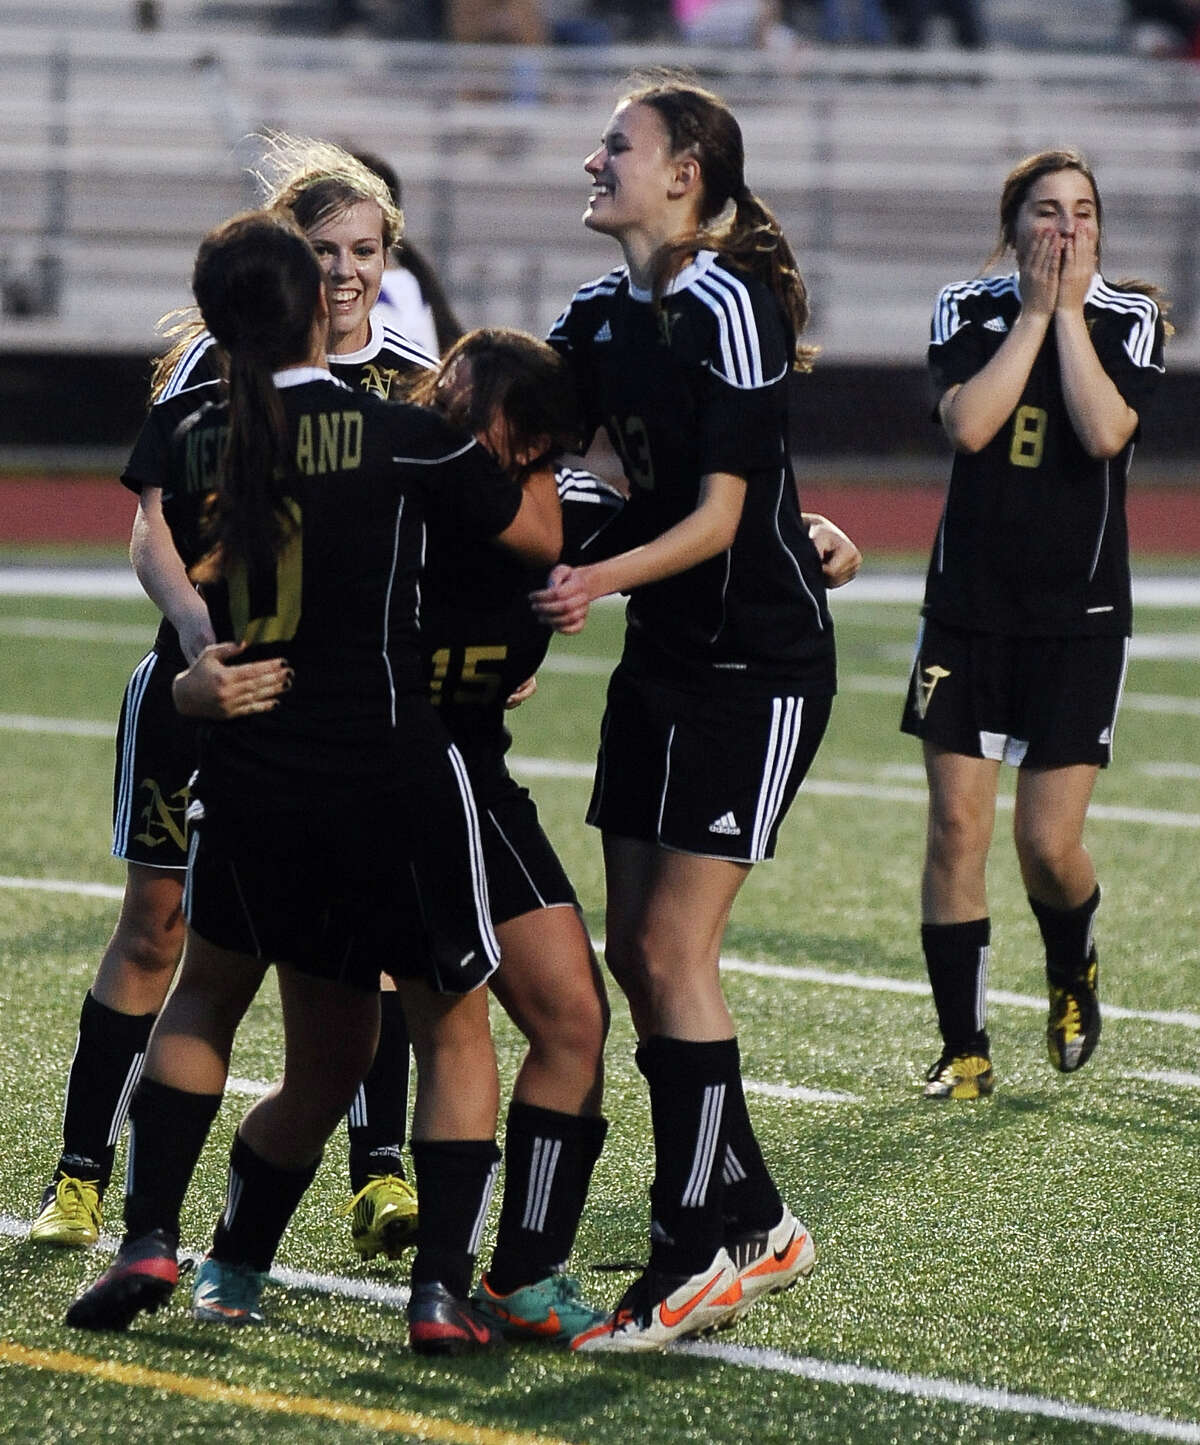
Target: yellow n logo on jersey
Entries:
(930, 677)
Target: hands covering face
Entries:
(1057, 267)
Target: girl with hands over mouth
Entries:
(1041, 376)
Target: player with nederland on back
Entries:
(1042, 376)
(723, 692)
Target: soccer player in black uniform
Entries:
(723, 692)
(1041, 377)
(348, 213)
(304, 817)
(480, 642)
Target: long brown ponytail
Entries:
(734, 221)
(258, 285)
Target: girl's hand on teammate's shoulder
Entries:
(522, 694)
(840, 558)
(211, 688)
(563, 602)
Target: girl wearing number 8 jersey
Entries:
(1041, 377)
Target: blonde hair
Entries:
(309, 182)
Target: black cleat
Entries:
(1073, 1028)
(440, 1323)
(141, 1277)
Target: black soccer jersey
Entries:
(479, 635)
(700, 385)
(1033, 539)
(344, 597)
(380, 368)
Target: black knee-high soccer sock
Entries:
(167, 1130)
(548, 1163)
(689, 1088)
(1067, 935)
(104, 1072)
(377, 1118)
(956, 955)
(259, 1204)
(752, 1200)
(455, 1180)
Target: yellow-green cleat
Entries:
(383, 1217)
(70, 1214)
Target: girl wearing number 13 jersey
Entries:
(1041, 379)
(721, 698)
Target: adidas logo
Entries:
(995, 323)
(726, 824)
(1105, 737)
(605, 332)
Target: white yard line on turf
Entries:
(825, 1372)
(863, 983)
(907, 587)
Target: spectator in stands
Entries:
(411, 294)
(910, 19)
(496, 22)
(860, 20)
(1163, 29)
(757, 23)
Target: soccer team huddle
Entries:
(361, 552)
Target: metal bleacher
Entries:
(119, 147)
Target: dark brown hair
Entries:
(516, 378)
(258, 285)
(699, 122)
(1017, 185)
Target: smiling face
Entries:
(352, 254)
(1060, 203)
(633, 174)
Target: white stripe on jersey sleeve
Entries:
(397, 341)
(577, 485)
(605, 285)
(728, 298)
(1139, 344)
(178, 380)
(947, 318)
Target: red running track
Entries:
(881, 518)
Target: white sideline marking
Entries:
(17, 722)
(828, 1372)
(1164, 1076)
(61, 630)
(799, 1092)
(905, 587)
(864, 983)
(927, 1387)
(1186, 771)
(63, 885)
(255, 1088)
(871, 983)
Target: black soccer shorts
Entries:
(156, 756)
(1035, 702)
(346, 886)
(523, 870)
(710, 776)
